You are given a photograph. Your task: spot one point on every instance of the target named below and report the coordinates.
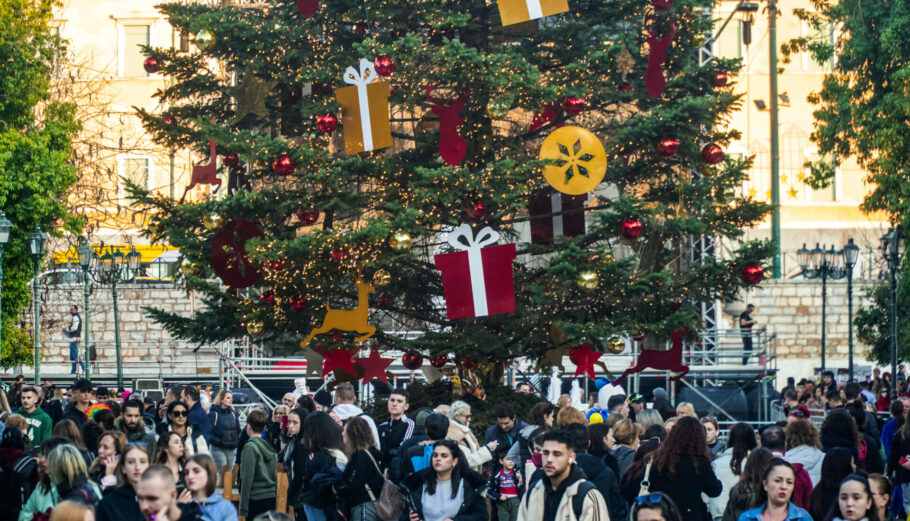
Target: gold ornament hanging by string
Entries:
(381, 278)
(400, 241)
(212, 221)
(578, 160)
(255, 327)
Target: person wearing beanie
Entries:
(662, 404)
(323, 400)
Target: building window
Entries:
(135, 170)
(822, 35)
(131, 57)
(729, 43)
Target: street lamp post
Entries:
(114, 266)
(891, 251)
(851, 254)
(5, 228)
(36, 242)
(824, 263)
(86, 258)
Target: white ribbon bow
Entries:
(556, 208)
(360, 80)
(534, 9)
(462, 238)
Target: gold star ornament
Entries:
(250, 94)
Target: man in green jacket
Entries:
(258, 469)
(39, 423)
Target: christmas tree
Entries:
(410, 144)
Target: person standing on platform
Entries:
(745, 329)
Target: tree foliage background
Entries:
(35, 155)
(862, 112)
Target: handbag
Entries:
(645, 484)
(390, 503)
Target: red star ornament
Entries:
(337, 359)
(585, 358)
(374, 366)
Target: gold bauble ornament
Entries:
(204, 40)
(588, 280)
(190, 269)
(616, 345)
(400, 241)
(381, 278)
(498, 108)
(255, 327)
(212, 221)
(579, 160)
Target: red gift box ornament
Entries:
(477, 280)
(556, 214)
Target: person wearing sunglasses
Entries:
(177, 416)
(777, 489)
(655, 507)
(476, 455)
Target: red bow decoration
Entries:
(654, 76)
(307, 7)
(544, 117)
(452, 147)
(229, 258)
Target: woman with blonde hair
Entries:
(459, 432)
(568, 416)
(647, 418)
(103, 469)
(225, 434)
(66, 468)
(563, 401)
(686, 409)
(72, 511)
(626, 435)
(671, 421)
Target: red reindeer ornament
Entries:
(452, 147)
(206, 174)
(670, 360)
(654, 75)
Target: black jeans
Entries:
(747, 347)
(259, 506)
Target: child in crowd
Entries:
(509, 485)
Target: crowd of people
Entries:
(86, 453)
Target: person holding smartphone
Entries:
(170, 452)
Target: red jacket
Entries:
(802, 487)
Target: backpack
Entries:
(802, 486)
(578, 500)
(14, 485)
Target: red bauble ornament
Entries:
(412, 360)
(284, 165)
(573, 106)
(640, 338)
(339, 254)
(298, 303)
(307, 7)
(231, 160)
(668, 147)
(662, 5)
(752, 273)
(479, 211)
(438, 361)
(308, 216)
(150, 65)
(267, 297)
(276, 265)
(719, 79)
(384, 66)
(360, 28)
(168, 120)
(468, 363)
(712, 154)
(631, 229)
(327, 123)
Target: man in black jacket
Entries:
(603, 478)
(75, 410)
(157, 495)
(418, 457)
(397, 429)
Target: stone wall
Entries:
(793, 311)
(146, 347)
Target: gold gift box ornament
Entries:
(365, 110)
(517, 11)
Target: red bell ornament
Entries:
(283, 165)
(668, 146)
(276, 265)
(573, 106)
(327, 123)
(752, 273)
(719, 79)
(150, 65)
(438, 361)
(384, 65)
(712, 153)
(479, 211)
(631, 229)
(298, 303)
(308, 216)
(412, 360)
(231, 160)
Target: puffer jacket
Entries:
(810, 458)
(225, 432)
(216, 508)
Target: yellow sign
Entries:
(579, 161)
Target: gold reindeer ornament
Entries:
(347, 320)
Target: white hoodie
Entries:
(810, 458)
(349, 410)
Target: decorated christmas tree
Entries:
(497, 178)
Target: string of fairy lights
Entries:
(378, 215)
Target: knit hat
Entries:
(421, 419)
(659, 392)
(323, 398)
